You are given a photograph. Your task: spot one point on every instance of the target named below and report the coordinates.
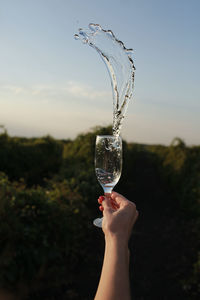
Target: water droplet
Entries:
(94, 27)
(76, 36)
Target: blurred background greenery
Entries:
(49, 248)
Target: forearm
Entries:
(114, 282)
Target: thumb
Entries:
(106, 203)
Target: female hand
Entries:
(119, 216)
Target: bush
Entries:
(40, 234)
(46, 230)
(30, 159)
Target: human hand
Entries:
(119, 216)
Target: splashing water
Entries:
(120, 66)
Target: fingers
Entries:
(116, 201)
(111, 202)
(100, 199)
(114, 204)
(119, 199)
(106, 203)
(122, 202)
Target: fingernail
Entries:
(99, 200)
(101, 208)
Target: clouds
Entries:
(62, 110)
(11, 89)
(85, 91)
(68, 89)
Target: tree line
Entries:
(49, 248)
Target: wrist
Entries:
(116, 240)
(117, 247)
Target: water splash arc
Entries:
(120, 66)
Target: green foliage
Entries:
(49, 248)
(33, 159)
(40, 234)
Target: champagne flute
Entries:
(108, 164)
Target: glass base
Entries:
(98, 222)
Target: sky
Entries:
(51, 83)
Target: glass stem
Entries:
(107, 192)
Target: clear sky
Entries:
(52, 84)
